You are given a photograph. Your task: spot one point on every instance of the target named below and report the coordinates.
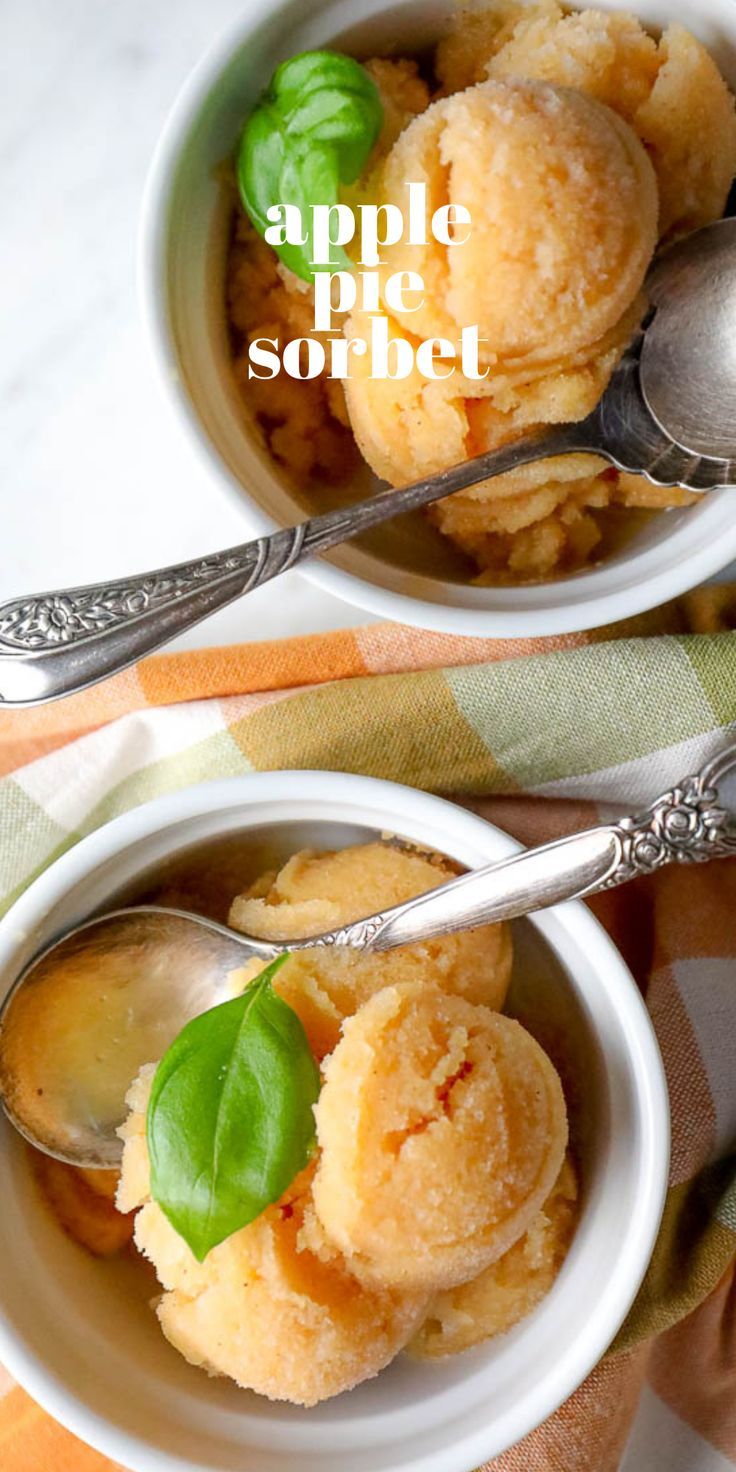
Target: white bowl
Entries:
(183, 244)
(79, 1334)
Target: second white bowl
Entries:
(80, 1335)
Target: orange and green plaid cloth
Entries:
(542, 737)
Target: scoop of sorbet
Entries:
(263, 1308)
(324, 986)
(443, 1128)
(510, 1288)
(563, 204)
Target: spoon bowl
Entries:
(85, 1016)
(688, 357)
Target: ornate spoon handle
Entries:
(685, 825)
(54, 644)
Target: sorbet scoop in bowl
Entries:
(579, 143)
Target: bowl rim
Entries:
(467, 830)
(590, 607)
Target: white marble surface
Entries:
(95, 479)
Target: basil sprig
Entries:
(312, 130)
(230, 1120)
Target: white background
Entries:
(95, 478)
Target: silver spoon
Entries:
(669, 413)
(112, 994)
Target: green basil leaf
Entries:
(309, 178)
(317, 71)
(230, 1120)
(260, 161)
(311, 68)
(312, 130)
(329, 117)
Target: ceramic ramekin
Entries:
(79, 1334)
(183, 241)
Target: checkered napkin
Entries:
(542, 737)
